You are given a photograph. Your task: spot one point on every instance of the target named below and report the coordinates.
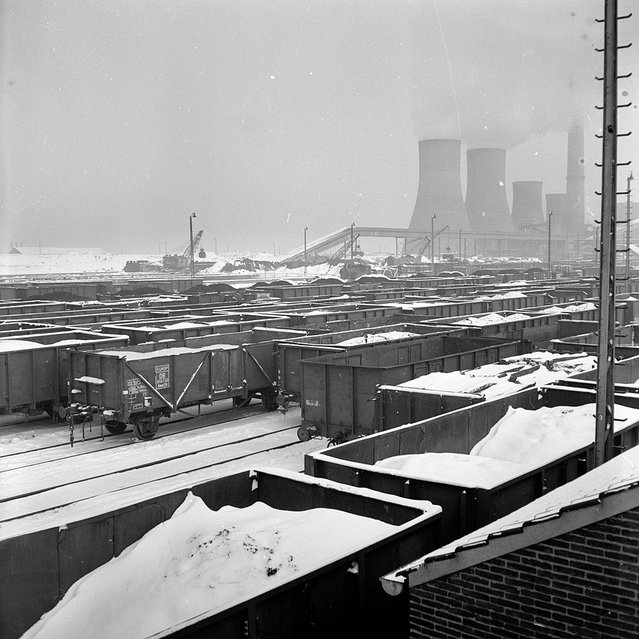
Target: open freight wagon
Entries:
(178, 329)
(468, 501)
(9, 328)
(34, 368)
(339, 390)
(538, 328)
(140, 384)
(335, 592)
(293, 351)
(438, 393)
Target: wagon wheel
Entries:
(146, 428)
(115, 427)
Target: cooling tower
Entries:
(575, 182)
(486, 202)
(556, 202)
(439, 192)
(528, 209)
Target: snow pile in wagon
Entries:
(202, 562)
(520, 442)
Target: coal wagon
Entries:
(141, 384)
(34, 371)
(336, 594)
(339, 390)
(466, 502)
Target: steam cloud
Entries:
(529, 68)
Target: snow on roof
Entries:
(617, 477)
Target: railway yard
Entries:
(282, 459)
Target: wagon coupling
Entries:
(82, 414)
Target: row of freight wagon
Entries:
(210, 290)
(303, 312)
(143, 382)
(341, 592)
(123, 288)
(102, 377)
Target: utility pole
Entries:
(305, 255)
(352, 241)
(432, 243)
(629, 179)
(604, 425)
(549, 239)
(191, 236)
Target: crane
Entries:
(182, 259)
(337, 257)
(423, 243)
(196, 242)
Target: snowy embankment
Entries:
(201, 562)
(520, 442)
(74, 262)
(508, 376)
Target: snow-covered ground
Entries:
(87, 263)
(215, 451)
(74, 262)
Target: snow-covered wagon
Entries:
(140, 384)
(484, 461)
(261, 553)
(339, 390)
(33, 367)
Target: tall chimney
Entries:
(486, 201)
(556, 202)
(575, 181)
(439, 192)
(528, 209)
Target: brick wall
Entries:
(583, 584)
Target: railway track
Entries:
(95, 440)
(53, 484)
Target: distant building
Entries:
(55, 250)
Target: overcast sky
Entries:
(121, 117)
